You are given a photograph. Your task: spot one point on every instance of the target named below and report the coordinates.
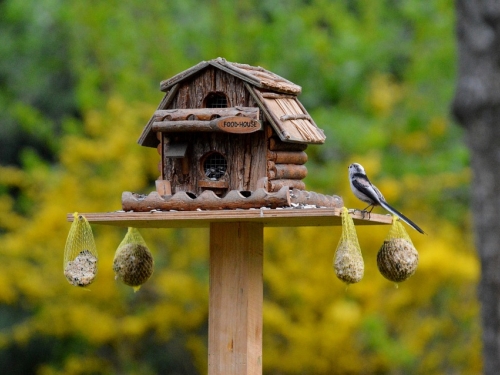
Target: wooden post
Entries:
(236, 296)
(236, 265)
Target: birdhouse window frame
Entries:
(213, 159)
(216, 99)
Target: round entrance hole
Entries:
(214, 166)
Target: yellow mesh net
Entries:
(397, 258)
(133, 263)
(80, 253)
(348, 260)
(398, 231)
(132, 236)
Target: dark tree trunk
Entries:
(477, 108)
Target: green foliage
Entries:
(36, 81)
(80, 82)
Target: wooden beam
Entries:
(185, 126)
(189, 126)
(273, 95)
(166, 84)
(287, 157)
(205, 114)
(236, 297)
(207, 200)
(286, 171)
(306, 217)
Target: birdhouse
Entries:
(229, 135)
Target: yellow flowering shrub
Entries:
(313, 323)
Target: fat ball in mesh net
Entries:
(133, 262)
(348, 260)
(80, 253)
(397, 258)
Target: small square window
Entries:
(216, 100)
(214, 166)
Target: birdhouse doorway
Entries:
(216, 100)
(214, 168)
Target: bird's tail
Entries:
(392, 210)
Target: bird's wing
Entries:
(368, 192)
(377, 191)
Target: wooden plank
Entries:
(163, 187)
(205, 114)
(243, 125)
(301, 106)
(289, 118)
(176, 150)
(166, 84)
(236, 297)
(188, 126)
(299, 116)
(274, 95)
(272, 120)
(306, 217)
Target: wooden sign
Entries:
(238, 124)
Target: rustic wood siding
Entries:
(245, 155)
(192, 92)
(285, 164)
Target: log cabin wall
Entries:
(285, 164)
(245, 154)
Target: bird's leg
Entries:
(358, 210)
(368, 212)
(371, 209)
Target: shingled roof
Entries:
(254, 75)
(275, 96)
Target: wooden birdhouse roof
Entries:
(256, 76)
(275, 96)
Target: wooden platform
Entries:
(236, 270)
(303, 217)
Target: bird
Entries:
(365, 191)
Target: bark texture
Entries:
(477, 108)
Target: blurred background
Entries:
(78, 82)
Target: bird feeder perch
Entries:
(231, 140)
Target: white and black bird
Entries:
(365, 191)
